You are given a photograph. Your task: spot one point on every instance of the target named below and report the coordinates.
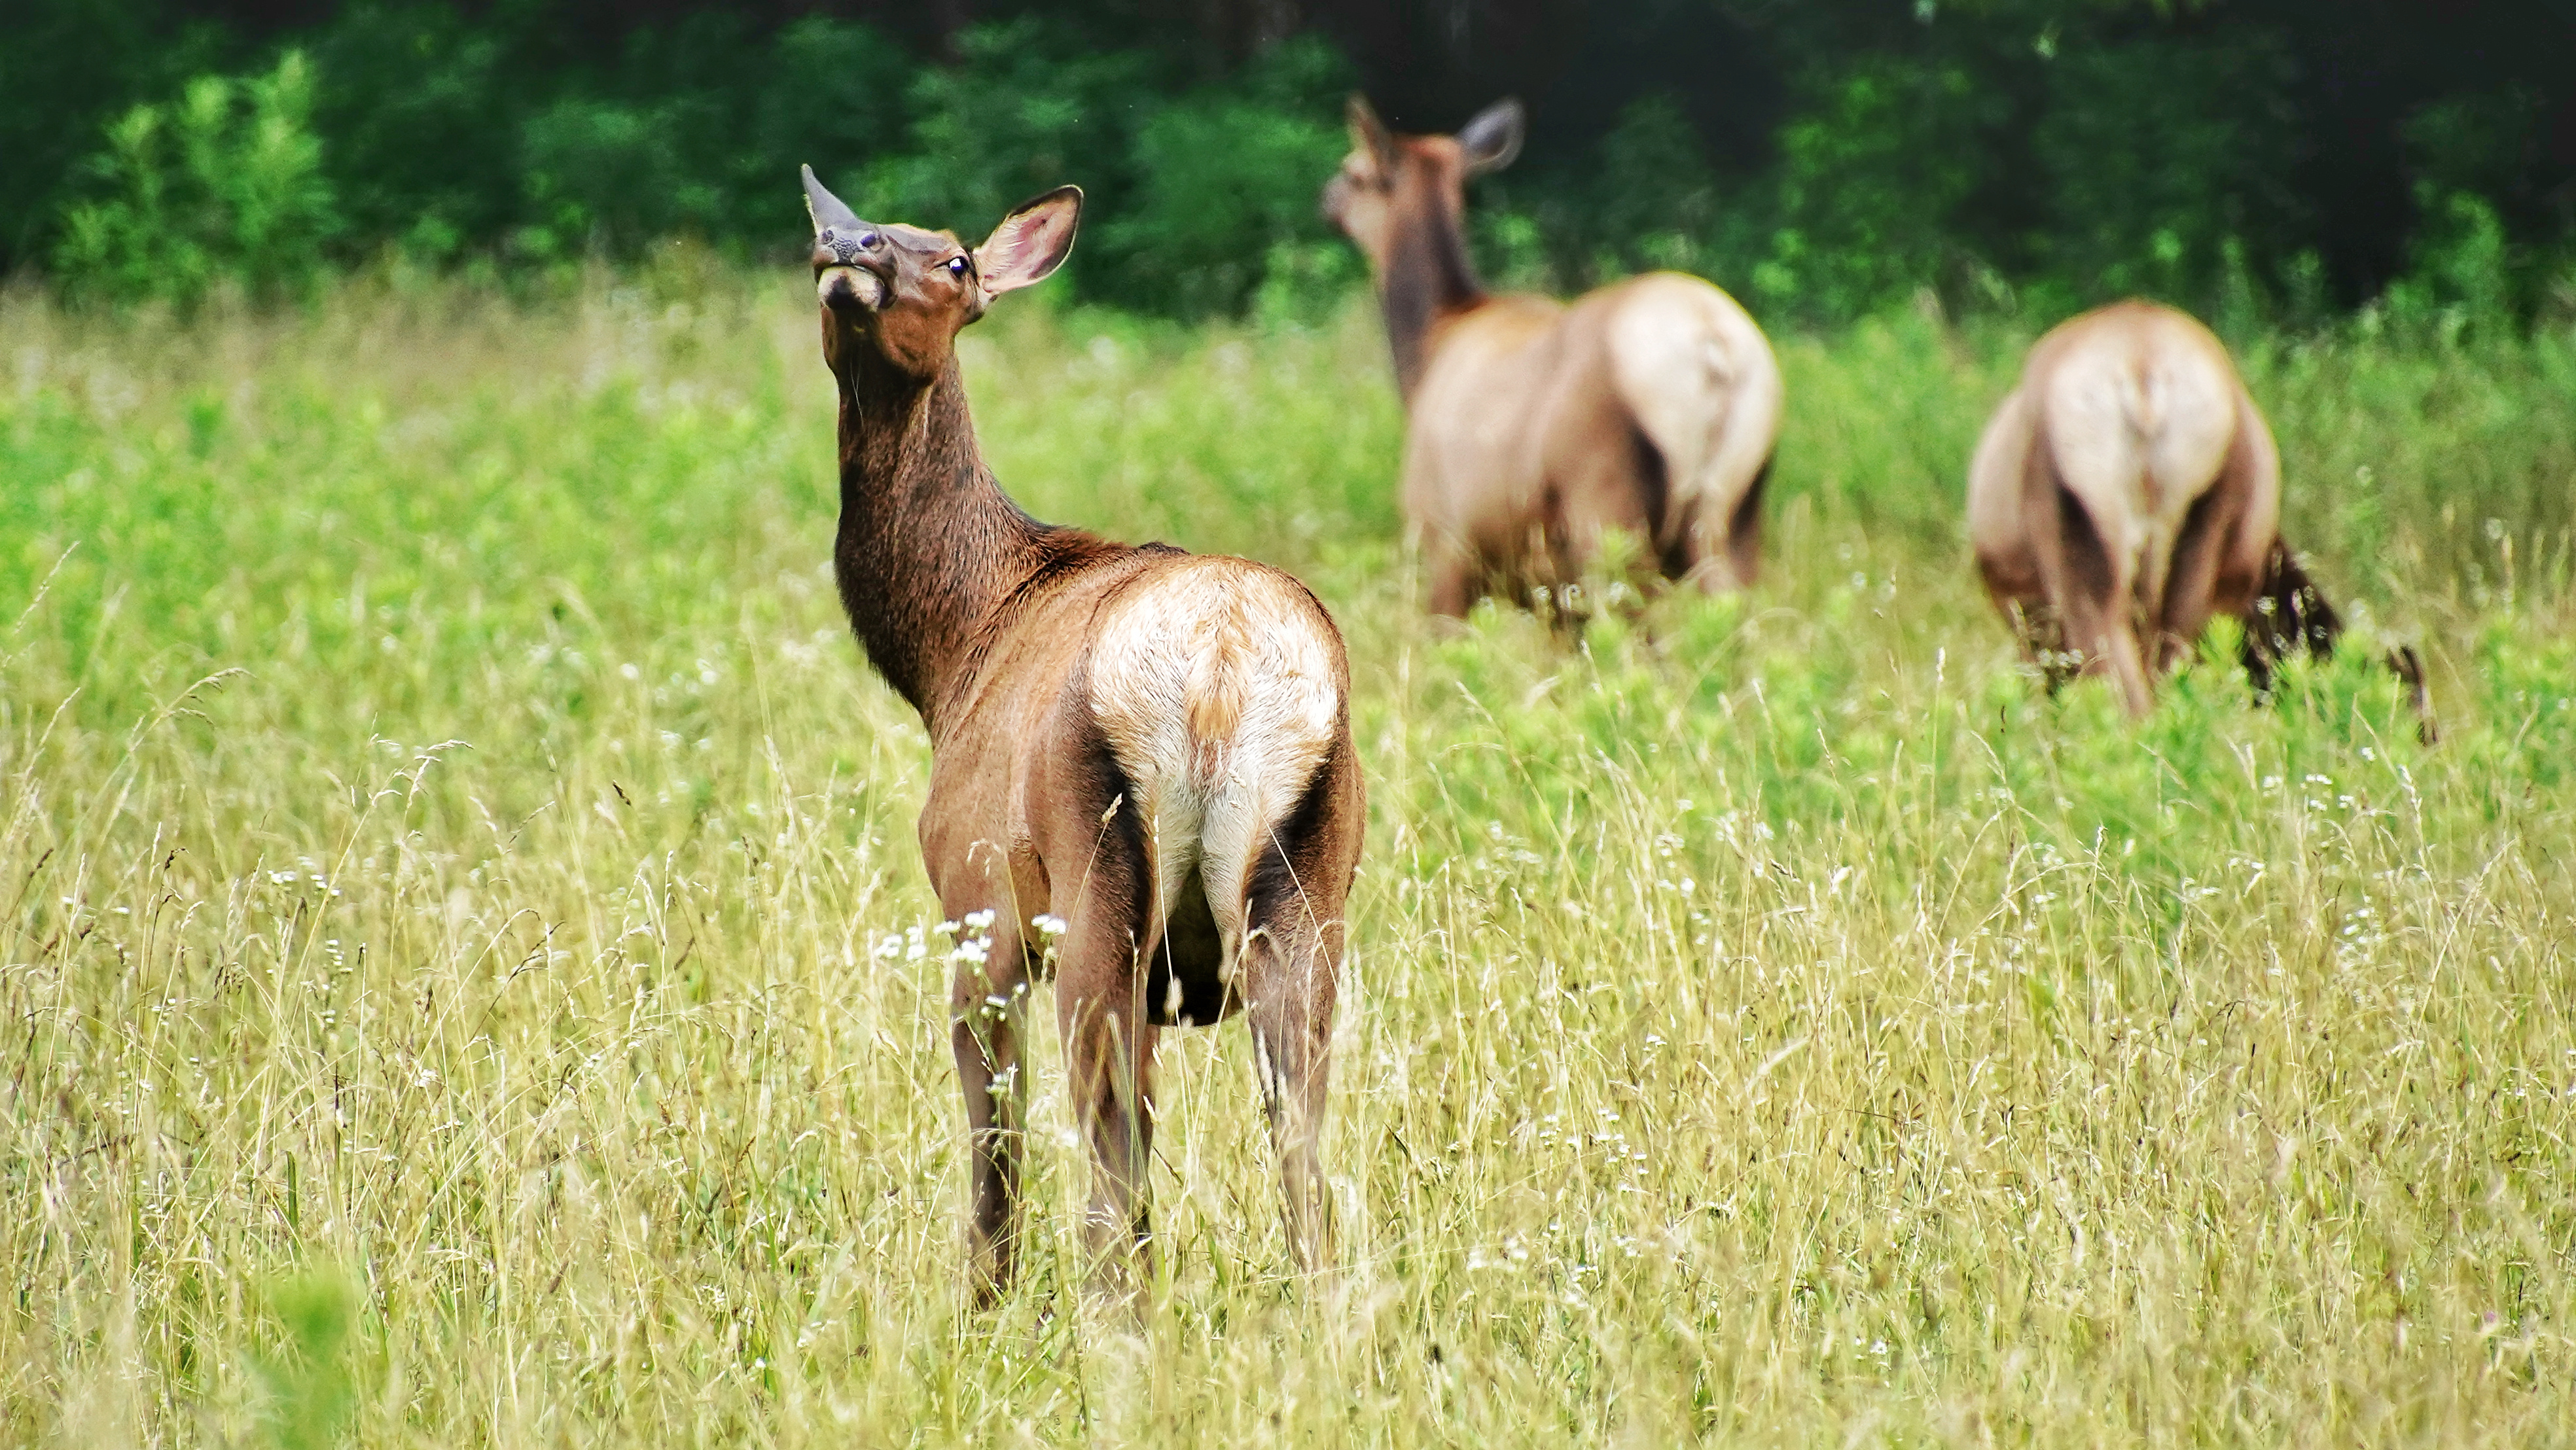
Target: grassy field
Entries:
(466, 977)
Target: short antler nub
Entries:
(825, 208)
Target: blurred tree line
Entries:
(2252, 158)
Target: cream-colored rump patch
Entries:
(2139, 430)
(1703, 384)
(1214, 683)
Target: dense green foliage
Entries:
(469, 980)
(2277, 158)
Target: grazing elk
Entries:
(1140, 753)
(2127, 492)
(1650, 405)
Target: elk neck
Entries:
(1426, 280)
(928, 542)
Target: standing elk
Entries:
(1650, 405)
(2127, 492)
(1142, 753)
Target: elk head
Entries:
(1389, 177)
(901, 293)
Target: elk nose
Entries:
(846, 245)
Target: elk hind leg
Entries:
(1289, 969)
(2086, 588)
(1109, 1074)
(1744, 528)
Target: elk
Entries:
(1651, 405)
(2128, 491)
(1142, 779)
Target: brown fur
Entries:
(1649, 406)
(1050, 666)
(2126, 493)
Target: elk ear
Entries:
(1031, 242)
(1368, 133)
(825, 208)
(1492, 139)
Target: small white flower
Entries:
(1048, 925)
(979, 920)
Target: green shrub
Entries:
(1226, 176)
(423, 119)
(2459, 268)
(1872, 177)
(225, 185)
(600, 173)
(1026, 107)
(833, 93)
(2156, 154)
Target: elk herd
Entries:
(1143, 782)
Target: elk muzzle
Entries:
(846, 261)
(842, 288)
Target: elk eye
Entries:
(957, 268)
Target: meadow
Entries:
(466, 977)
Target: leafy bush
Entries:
(1824, 161)
(2460, 269)
(1225, 177)
(226, 183)
(1872, 177)
(834, 94)
(1027, 107)
(2157, 152)
(423, 119)
(600, 172)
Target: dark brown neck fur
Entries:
(1427, 276)
(929, 544)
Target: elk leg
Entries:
(1289, 967)
(1288, 972)
(988, 1013)
(2287, 614)
(2042, 635)
(1109, 1081)
(2091, 596)
(1454, 588)
(1744, 529)
(1289, 985)
(1586, 511)
(2198, 583)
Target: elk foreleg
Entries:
(988, 1017)
(2287, 615)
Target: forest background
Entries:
(2266, 162)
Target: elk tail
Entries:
(1274, 690)
(1706, 395)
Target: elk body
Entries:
(1141, 759)
(1651, 405)
(2126, 492)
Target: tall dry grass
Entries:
(467, 978)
